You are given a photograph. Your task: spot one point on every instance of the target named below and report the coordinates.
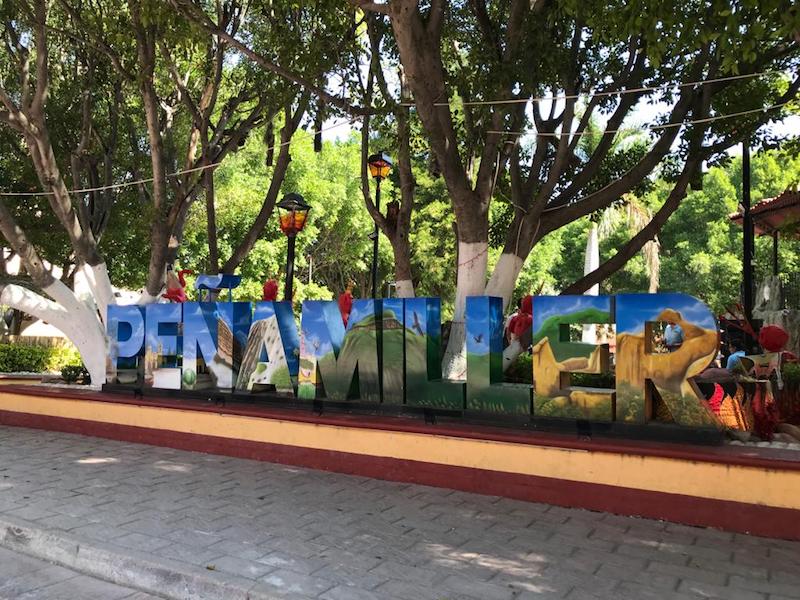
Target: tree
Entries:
(24, 98)
(332, 249)
(312, 38)
(396, 224)
(459, 59)
(702, 247)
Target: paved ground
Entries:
(296, 533)
(26, 578)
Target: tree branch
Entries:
(194, 13)
(646, 234)
(278, 174)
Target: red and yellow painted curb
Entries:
(727, 488)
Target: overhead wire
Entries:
(602, 94)
(644, 127)
(125, 184)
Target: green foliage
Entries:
(521, 370)
(701, 247)
(791, 374)
(593, 380)
(332, 249)
(75, 374)
(433, 242)
(15, 358)
(60, 357)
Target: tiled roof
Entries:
(773, 214)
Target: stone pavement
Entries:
(26, 578)
(190, 525)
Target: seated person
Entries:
(737, 351)
(673, 336)
(723, 374)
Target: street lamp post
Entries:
(293, 213)
(379, 166)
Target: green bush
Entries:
(791, 374)
(593, 380)
(17, 358)
(61, 357)
(75, 373)
(521, 370)
(22, 359)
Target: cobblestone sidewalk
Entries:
(26, 578)
(298, 533)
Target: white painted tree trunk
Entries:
(76, 320)
(504, 277)
(470, 281)
(510, 354)
(146, 298)
(502, 284)
(404, 288)
(591, 261)
(99, 285)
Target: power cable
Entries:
(601, 94)
(175, 174)
(646, 127)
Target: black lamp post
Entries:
(379, 166)
(293, 212)
(748, 235)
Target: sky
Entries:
(340, 129)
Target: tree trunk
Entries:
(419, 44)
(504, 277)
(97, 281)
(70, 316)
(211, 222)
(591, 259)
(403, 282)
(470, 281)
(159, 232)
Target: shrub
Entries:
(75, 373)
(791, 374)
(593, 380)
(23, 359)
(18, 358)
(521, 370)
(62, 356)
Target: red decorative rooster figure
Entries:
(520, 323)
(346, 303)
(176, 285)
(270, 291)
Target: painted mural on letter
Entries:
(555, 356)
(670, 373)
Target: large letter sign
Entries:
(272, 357)
(219, 331)
(342, 360)
(555, 357)
(423, 360)
(125, 343)
(162, 346)
(486, 391)
(390, 353)
(640, 371)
